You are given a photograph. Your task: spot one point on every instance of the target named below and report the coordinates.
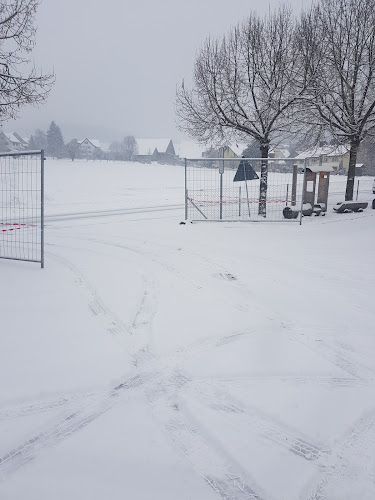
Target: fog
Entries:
(117, 63)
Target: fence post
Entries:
(221, 196)
(42, 208)
(294, 185)
(221, 171)
(303, 191)
(186, 200)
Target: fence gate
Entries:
(228, 189)
(22, 206)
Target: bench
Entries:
(350, 206)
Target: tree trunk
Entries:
(263, 181)
(354, 145)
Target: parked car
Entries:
(373, 187)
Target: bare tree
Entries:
(38, 140)
(129, 147)
(366, 154)
(115, 151)
(19, 82)
(72, 149)
(340, 45)
(245, 86)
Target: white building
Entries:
(90, 148)
(9, 142)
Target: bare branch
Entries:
(19, 82)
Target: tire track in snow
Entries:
(295, 380)
(337, 356)
(216, 469)
(112, 323)
(143, 315)
(110, 213)
(35, 408)
(74, 421)
(220, 400)
(359, 445)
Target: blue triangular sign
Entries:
(245, 172)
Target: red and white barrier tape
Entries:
(242, 201)
(15, 225)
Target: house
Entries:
(232, 151)
(10, 143)
(158, 150)
(336, 157)
(280, 152)
(23, 141)
(90, 148)
(229, 151)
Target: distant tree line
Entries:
(52, 142)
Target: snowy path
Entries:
(203, 339)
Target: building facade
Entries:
(336, 157)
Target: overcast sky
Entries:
(117, 62)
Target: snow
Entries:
(156, 360)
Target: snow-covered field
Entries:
(152, 360)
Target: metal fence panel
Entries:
(22, 206)
(227, 189)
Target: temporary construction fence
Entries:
(229, 189)
(22, 206)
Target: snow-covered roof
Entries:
(12, 137)
(94, 142)
(238, 148)
(282, 152)
(323, 151)
(21, 139)
(189, 149)
(105, 146)
(320, 168)
(148, 146)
